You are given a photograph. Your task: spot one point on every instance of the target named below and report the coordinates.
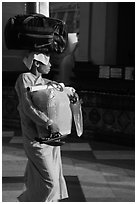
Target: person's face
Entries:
(44, 69)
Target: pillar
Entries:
(111, 33)
(43, 8)
(84, 31)
(38, 7)
(103, 33)
(98, 32)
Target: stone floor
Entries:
(94, 171)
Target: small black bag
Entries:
(36, 32)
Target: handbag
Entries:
(36, 32)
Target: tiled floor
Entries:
(94, 172)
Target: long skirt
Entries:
(44, 180)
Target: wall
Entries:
(126, 34)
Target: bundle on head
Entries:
(36, 32)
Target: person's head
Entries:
(38, 61)
(41, 67)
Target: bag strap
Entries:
(56, 85)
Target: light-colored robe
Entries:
(44, 178)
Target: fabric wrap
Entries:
(44, 180)
(36, 32)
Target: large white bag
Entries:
(54, 100)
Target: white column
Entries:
(111, 33)
(84, 31)
(98, 32)
(43, 8)
(104, 32)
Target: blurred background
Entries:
(99, 61)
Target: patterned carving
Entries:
(107, 100)
(108, 117)
(94, 116)
(123, 120)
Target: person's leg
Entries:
(42, 179)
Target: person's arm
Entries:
(36, 115)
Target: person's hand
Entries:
(53, 128)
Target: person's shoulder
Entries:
(24, 74)
(25, 77)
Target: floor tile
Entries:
(98, 192)
(119, 155)
(13, 153)
(7, 133)
(10, 196)
(6, 140)
(126, 194)
(76, 147)
(13, 168)
(17, 139)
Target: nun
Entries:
(44, 180)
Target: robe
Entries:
(44, 180)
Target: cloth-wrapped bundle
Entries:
(54, 100)
(36, 32)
